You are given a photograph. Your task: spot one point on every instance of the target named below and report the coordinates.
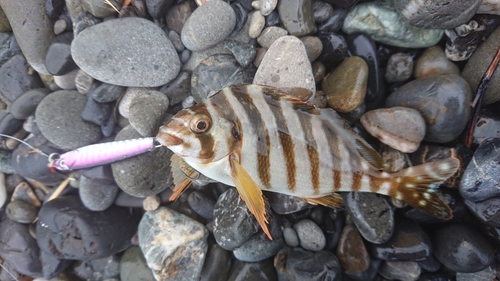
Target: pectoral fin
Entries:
(250, 193)
(331, 200)
(182, 174)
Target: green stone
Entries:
(380, 20)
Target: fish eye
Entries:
(200, 123)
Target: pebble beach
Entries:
(402, 73)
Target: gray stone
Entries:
(97, 194)
(147, 112)
(311, 237)
(98, 8)
(98, 269)
(58, 118)
(380, 20)
(399, 68)
(4, 22)
(15, 79)
(267, 6)
(208, 25)
(258, 248)
(286, 65)
(33, 29)
(257, 23)
(25, 105)
(133, 266)
(130, 94)
(291, 237)
(397, 270)
(120, 52)
(67, 81)
(438, 14)
(270, 34)
(173, 244)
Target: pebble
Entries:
(173, 255)
(217, 264)
(98, 269)
(399, 68)
(486, 211)
(148, 112)
(151, 203)
(400, 270)
(217, 72)
(241, 18)
(334, 23)
(208, 25)
(285, 65)
(267, 6)
(34, 33)
(67, 230)
(352, 252)
(178, 14)
(259, 248)
(4, 22)
(478, 181)
(15, 79)
(52, 266)
(3, 190)
(285, 204)
(313, 47)
(158, 8)
(439, 14)
(471, 252)
(442, 100)
(298, 264)
(8, 47)
(269, 35)
(477, 65)
(130, 173)
(83, 82)
(408, 243)
(433, 61)
(249, 271)
(19, 249)
(489, 7)
(176, 41)
(486, 274)
(178, 89)
(21, 212)
(319, 71)
(97, 194)
(58, 119)
(58, 60)
(129, 95)
(291, 237)
(297, 17)
(243, 53)
(322, 11)
(487, 126)
(105, 92)
(111, 60)
(371, 214)
(94, 112)
(334, 50)
(257, 23)
(401, 128)
(25, 105)
(390, 29)
(345, 87)
(233, 222)
(202, 204)
(133, 266)
(311, 237)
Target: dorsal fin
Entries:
(280, 95)
(369, 154)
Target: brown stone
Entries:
(352, 252)
(433, 61)
(345, 86)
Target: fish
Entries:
(257, 137)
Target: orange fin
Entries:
(417, 186)
(182, 174)
(296, 103)
(333, 200)
(250, 193)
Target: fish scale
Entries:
(257, 137)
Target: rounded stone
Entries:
(352, 252)
(106, 52)
(311, 237)
(257, 23)
(269, 35)
(21, 212)
(208, 25)
(178, 14)
(58, 118)
(400, 270)
(399, 68)
(133, 266)
(147, 112)
(399, 127)
(291, 237)
(297, 17)
(433, 61)
(217, 265)
(313, 46)
(439, 14)
(97, 194)
(25, 105)
(442, 100)
(15, 78)
(258, 248)
(345, 87)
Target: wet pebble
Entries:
(334, 49)
(345, 87)
(401, 128)
(400, 270)
(147, 112)
(487, 211)
(217, 265)
(479, 181)
(133, 266)
(311, 237)
(297, 17)
(58, 119)
(173, 255)
(472, 251)
(399, 68)
(148, 67)
(244, 53)
(98, 269)
(21, 212)
(322, 11)
(178, 89)
(15, 78)
(442, 100)
(97, 194)
(208, 25)
(486, 274)
(433, 61)
(391, 28)
(352, 252)
(90, 237)
(298, 264)
(313, 47)
(372, 215)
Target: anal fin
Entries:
(251, 193)
(333, 200)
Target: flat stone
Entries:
(173, 244)
(118, 60)
(34, 33)
(286, 66)
(15, 79)
(148, 112)
(352, 252)
(380, 20)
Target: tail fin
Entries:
(417, 186)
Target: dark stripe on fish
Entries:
(287, 145)
(312, 152)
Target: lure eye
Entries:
(200, 124)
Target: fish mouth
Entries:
(166, 139)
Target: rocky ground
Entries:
(402, 73)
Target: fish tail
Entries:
(417, 186)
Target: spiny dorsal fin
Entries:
(370, 154)
(333, 200)
(280, 95)
(182, 174)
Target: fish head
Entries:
(198, 136)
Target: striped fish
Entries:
(258, 138)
